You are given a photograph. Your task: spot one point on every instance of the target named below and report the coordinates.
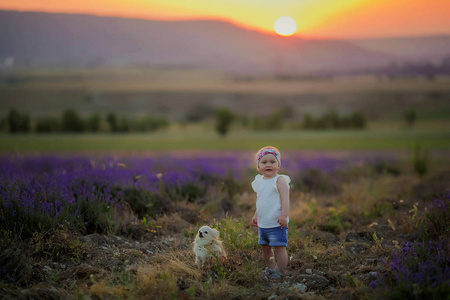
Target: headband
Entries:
(265, 152)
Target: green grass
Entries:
(395, 139)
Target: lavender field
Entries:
(366, 225)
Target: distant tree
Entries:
(244, 120)
(420, 161)
(275, 121)
(288, 112)
(155, 123)
(93, 122)
(257, 123)
(47, 125)
(224, 118)
(3, 125)
(72, 122)
(149, 124)
(124, 124)
(18, 122)
(308, 121)
(111, 118)
(330, 119)
(14, 120)
(410, 116)
(357, 119)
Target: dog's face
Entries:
(206, 233)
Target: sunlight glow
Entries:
(285, 26)
(319, 18)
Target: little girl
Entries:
(272, 210)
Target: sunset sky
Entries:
(314, 18)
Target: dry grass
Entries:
(341, 238)
(303, 207)
(172, 274)
(167, 275)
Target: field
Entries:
(323, 140)
(113, 216)
(174, 93)
(363, 225)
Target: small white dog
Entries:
(207, 245)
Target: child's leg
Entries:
(268, 254)
(282, 258)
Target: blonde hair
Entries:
(259, 155)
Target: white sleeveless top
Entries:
(268, 202)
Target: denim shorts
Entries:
(273, 236)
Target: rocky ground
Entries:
(358, 260)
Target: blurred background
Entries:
(126, 124)
(148, 75)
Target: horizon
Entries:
(318, 19)
(242, 26)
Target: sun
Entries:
(285, 26)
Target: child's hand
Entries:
(255, 221)
(282, 220)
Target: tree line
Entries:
(72, 122)
(328, 120)
(279, 119)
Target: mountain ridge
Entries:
(39, 39)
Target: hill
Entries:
(410, 49)
(34, 39)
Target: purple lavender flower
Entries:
(89, 193)
(419, 269)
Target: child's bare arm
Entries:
(255, 219)
(283, 188)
